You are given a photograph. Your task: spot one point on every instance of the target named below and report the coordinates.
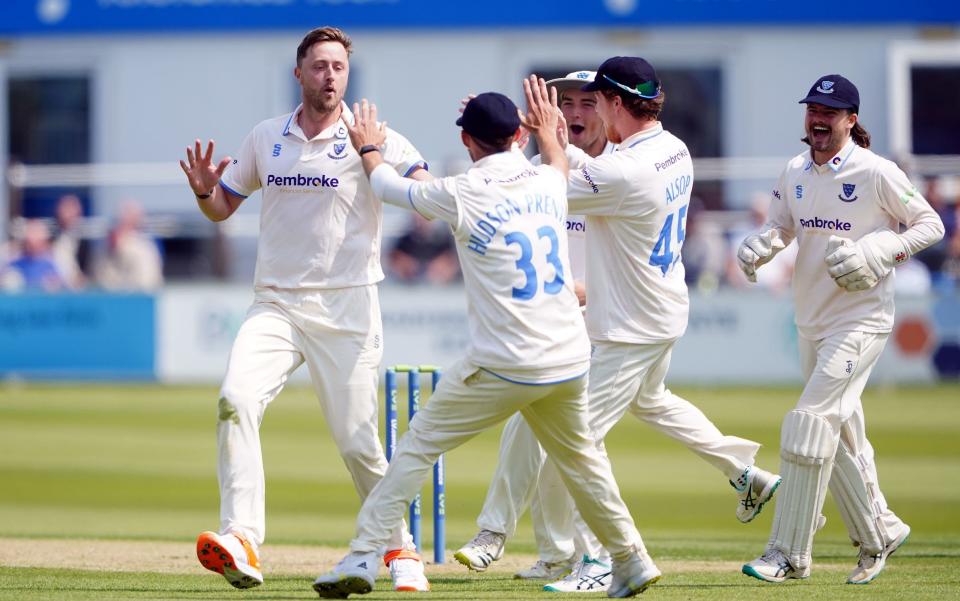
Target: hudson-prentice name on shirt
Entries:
(484, 230)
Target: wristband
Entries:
(205, 196)
(368, 148)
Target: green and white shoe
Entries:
(588, 576)
(755, 487)
(870, 565)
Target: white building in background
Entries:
(160, 73)
(123, 86)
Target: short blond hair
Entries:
(323, 34)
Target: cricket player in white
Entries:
(636, 201)
(318, 264)
(843, 205)
(517, 481)
(529, 351)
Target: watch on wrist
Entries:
(368, 148)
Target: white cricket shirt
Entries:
(636, 203)
(509, 222)
(320, 223)
(853, 194)
(577, 231)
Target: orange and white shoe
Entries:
(406, 570)
(232, 556)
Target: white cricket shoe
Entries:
(870, 566)
(232, 556)
(406, 570)
(754, 488)
(485, 548)
(588, 576)
(633, 576)
(545, 570)
(773, 566)
(355, 574)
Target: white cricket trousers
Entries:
(470, 400)
(337, 333)
(837, 369)
(623, 377)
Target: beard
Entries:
(320, 102)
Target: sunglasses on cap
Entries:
(647, 89)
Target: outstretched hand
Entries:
(202, 175)
(543, 113)
(365, 130)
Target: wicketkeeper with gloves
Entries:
(844, 205)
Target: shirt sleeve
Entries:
(400, 154)
(902, 200)
(242, 176)
(577, 157)
(779, 216)
(596, 187)
(435, 199)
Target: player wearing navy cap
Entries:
(517, 481)
(528, 348)
(844, 206)
(636, 201)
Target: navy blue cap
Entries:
(630, 74)
(490, 117)
(834, 91)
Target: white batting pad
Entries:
(855, 493)
(807, 446)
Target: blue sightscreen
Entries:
(77, 336)
(90, 16)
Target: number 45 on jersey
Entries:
(665, 252)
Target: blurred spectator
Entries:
(704, 250)
(33, 269)
(131, 262)
(943, 258)
(425, 253)
(779, 271)
(69, 247)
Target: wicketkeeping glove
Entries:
(756, 250)
(862, 264)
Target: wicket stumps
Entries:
(439, 493)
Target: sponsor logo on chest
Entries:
(299, 180)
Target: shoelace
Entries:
(578, 570)
(486, 538)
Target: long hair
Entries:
(861, 137)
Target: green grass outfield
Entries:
(134, 467)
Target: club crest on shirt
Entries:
(338, 148)
(847, 195)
